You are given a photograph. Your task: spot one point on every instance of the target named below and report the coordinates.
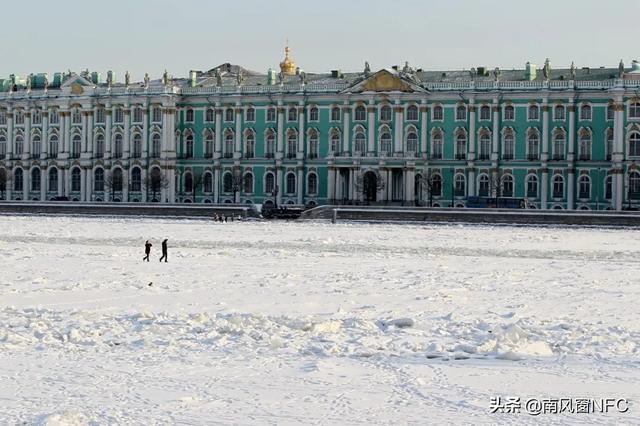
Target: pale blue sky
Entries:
(149, 36)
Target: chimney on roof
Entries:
(530, 71)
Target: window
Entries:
(438, 113)
(461, 112)
(634, 110)
(585, 112)
(271, 144)
(137, 115)
(251, 114)
(385, 143)
(189, 146)
(610, 112)
(189, 116)
(532, 186)
(209, 115)
(292, 115)
(76, 144)
(585, 145)
(100, 115)
(609, 144)
(360, 143)
(19, 145)
(36, 146)
(584, 187)
(136, 179)
(559, 113)
(76, 116)
(98, 180)
(271, 114)
(292, 142)
(53, 180)
(361, 113)
(634, 185)
(35, 179)
(634, 144)
(412, 142)
(461, 146)
(436, 185)
(314, 114)
(509, 112)
(608, 187)
(19, 117)
(156, 114)
(385, 113)
(248, 183)
(534, 112)
(75, 180)
(36, 118)
(558, 146)
(155, 145)
(291, 183)
(208, 144)
(485, 113)
(53, 146)
(485, 146)
(208, 182)
(312, 183)
(436, 148)
(508, 147)
(533, 146)
(55, 116)
(483, 185)
(335, 143)
(459, 185)
(507, 186)
(558, 186)
(269, 183)
(313, 144)
(3, 118)
(335, 114)
(228, 115)
(250, 145)
(17, 180)
(3, 146)
(137, 146)
(228, 145)
(188, 183)
(412, 113)
(117, 146)
(119, 116)
(116, 180)
(227, 182)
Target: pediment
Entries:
(76, 85)
(385, 81)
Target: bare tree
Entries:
(426, 187)
(155, 182)
(368, 189)
(197, 181)
(5, 181)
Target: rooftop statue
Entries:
(127, 78)
(621, 69)
(546, 71)
(303, 77)
(367, 68)
(46, 83)
(146, 79)
(29, 82)
(496, 74)
(472, 73)
(165, 78)
(239, 77)
(218, 77)
(572, 71)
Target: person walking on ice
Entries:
(147, 250)
(164, 251)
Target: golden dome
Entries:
(288, 67)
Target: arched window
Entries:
(35, 179)
(412, 142)
(208, 144)
(314, 114)
(634, 185)
(271, 144)
(19, 145)
(558, 186)
(250, 145)
(634, 144)
(155, 145)
(459, 185)
(53, 180)
(99, 115)
(483, 185)
(610, 112)
(634, 110)
(534, 112)
(227, 182)
(412, 113)
(438, 113)
(532, 186)
(36, 117)
(485, 146)
(36, 146)
(461, 112)
(508, 147)
(248, 183)
(509, 112)
(335, 113)
(228, 115)
(559, 113)
(385, 113)
(118, 116)
(228, 145)
(136, 179)
(585, 112)
(137, 146)
(76, 144)
(137, 115)
(53, 146)
(188, 183)
(360, 143)
(461, 146)
(292, 142)
(98, 180)
(189, 146)
(271, 114)
(361, 113)
(584, 187)
(208, 182)
(533, 146)
(189, 117)
(291, 183)
(292, 114)
(385, 143)
(116, 180)
(76, 116)
(507, 186)
(585, 145)
(312, 183)
(99, 148)
(17, 180)
(436, 185)
(609, 144)
(485, 113)
(117, 146)
(156, 114)
(313, 144)
(75, 180)
(436, 148)
(251, 114)
(54, 117)
(3, 146)
(558, 146)
(210, 115)
(608, 187)
(269, 183)
(335, 143)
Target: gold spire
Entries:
(288, 67)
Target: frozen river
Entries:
(288, 323)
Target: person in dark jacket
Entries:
(164, 251)
(147, 250)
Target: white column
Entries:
(83, 184)
(63, 151)
(399, 130)
(125, 185)
(279, 173)
(496, 130)
(238, 147)
(218, 136)
(143, 176)
(572, 133)
(410, 184)
(280, 136)
(371, 137)
(471, 183)
(172, 185)
(300, 183)
(145, 140)
(618, 155)
(45, 134)
(571, 158)
(43, 184)
(544, 188)
(216, 184)
(26, 149)
(571, 188)
(545, 131)
(10, 139)
(346, 130)
(127, 131)
(67, 182)
(85, 131)
(351, 186)
(26, 183)
(60, 182)
(89, 184)
(472, 132)
(424, 112)
(331, 184)
(338, 184)
(301, 131)
(108, 116)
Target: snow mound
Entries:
(66, 418)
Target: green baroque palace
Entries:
(559, 138)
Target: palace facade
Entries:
(560, 138)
